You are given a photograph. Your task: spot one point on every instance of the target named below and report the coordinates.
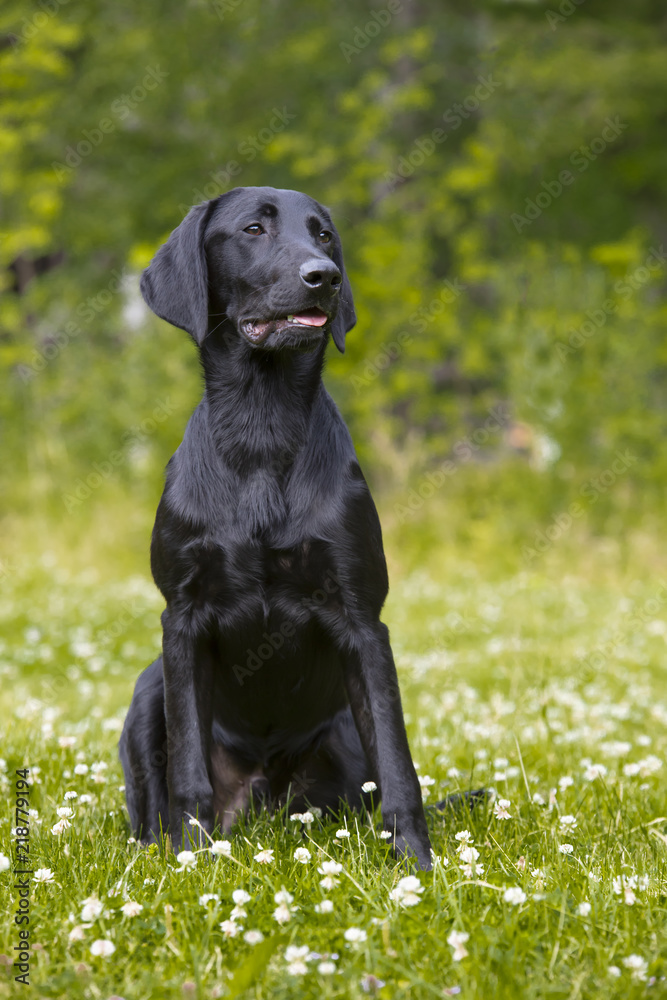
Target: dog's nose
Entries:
(318, 273)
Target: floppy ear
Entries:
(175, 283)
(346, 317)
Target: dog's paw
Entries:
(415, 849)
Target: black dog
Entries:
(276, 679)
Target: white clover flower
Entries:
(342, 834)
(568, 822)
(457, 940)
(501, 809)
(85, 799)
(264, 856)
(614, 971)
(238, 913)
(65, 742)
(253, 937)
(584, 909)
(81, 769)
(297, 968)
(514, 895)
(297, 953)
(229, 928)
(296, 817)
(241, 897)
(538, 799)
(631, 770)
(464, 837)
(566, 848)
(425, 780)
(407, 891)
(385, 834)
(355, 935)
(565, 782)
(186, 859)
(326, 906)
(60, 827)
(626, 884)
(77, 933)
(302, 854)
(328, 968)
(649, 765)
(131, 908)
(283, 897)
(593, 771)
(65, 812)
(102, 948)
(91, 909)
(221, 848)
(282, 914)
(43, 875)
(637, 965)
(307, 818)
(369, 786)
(209, 897)
(330, 868)
(71, 795)
(469, 855)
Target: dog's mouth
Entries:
(258, 330)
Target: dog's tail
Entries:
(458, 801)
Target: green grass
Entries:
(513, 677)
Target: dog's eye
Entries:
(325, 236)
(255, 229)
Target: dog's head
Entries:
(268, 261)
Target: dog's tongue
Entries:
(310, 317)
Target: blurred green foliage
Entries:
(498, 173)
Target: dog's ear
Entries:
(346, 317)
(175, 283)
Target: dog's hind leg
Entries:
(143, 754)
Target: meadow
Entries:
(541, 680)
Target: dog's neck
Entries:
(259, 403)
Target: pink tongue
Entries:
(314, 318)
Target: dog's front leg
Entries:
(188, 711)
(372, 687)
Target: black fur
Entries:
(276, 679)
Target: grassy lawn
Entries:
(543, 680)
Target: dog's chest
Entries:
(247, 582)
